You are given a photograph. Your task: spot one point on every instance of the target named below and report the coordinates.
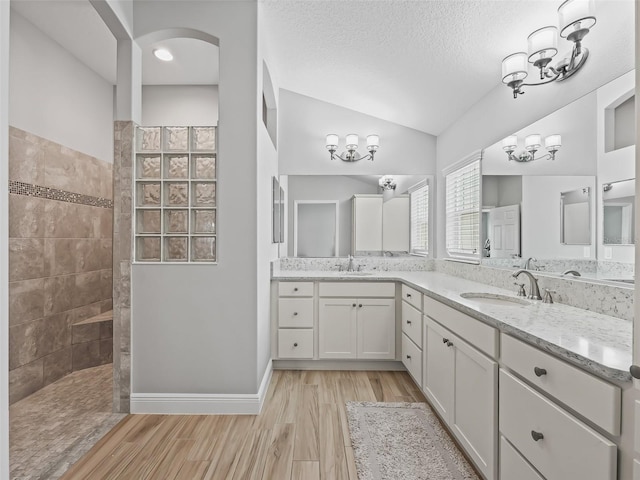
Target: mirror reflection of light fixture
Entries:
(575, 19)
(351, 155)
(532, 143)
(386, 182)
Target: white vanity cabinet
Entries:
(356, 321)
(412, 341)
(380, 225)
(295, 320)
(462, 383)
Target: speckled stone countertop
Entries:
(597, 343)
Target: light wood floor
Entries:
(301, 434)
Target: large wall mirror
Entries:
(574, 211)
(310, 197)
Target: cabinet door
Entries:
(377, 328)
(439, 369)
(474, 420)
(337, 323)
(367, 223)
(395, 224)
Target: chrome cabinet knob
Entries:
(295, 289)
(408, 322)
(445, 340)
(408, 295)
(539, 371)
(295, 344)
(635, 371)
(295, 314)
(449, 344)
(353, 305)
(409, 357)
(360, 306)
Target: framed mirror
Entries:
(575, 217)
(618, 212)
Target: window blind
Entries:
(462, 187)
(419, 211)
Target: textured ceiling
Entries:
(418, 63)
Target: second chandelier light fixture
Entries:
(575, 19)
(351, 155)
(532, 143)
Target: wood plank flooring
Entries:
(301, 434)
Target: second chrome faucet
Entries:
(534, 291)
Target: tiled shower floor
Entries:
(54, 427)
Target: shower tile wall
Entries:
(60, 256)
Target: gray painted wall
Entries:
(194, 326)
(305, 122)
(179, 105)
(55, 96)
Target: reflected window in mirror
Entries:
(419, 218)
(618, 217)
(462, 184)
(575, 217)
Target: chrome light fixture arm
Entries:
(350, 156)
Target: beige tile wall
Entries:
(60, 258)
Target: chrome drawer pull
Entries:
(449, 344)
(536, 435)
(409, 322)
(408, 295)
(539, 371)
(445, 340)
(409, 357)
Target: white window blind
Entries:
(463, 210)
(419, 208)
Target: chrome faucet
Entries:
(350, 265)
(534, 291)
(527, 263)
(575, 273)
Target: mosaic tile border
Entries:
(30, 190)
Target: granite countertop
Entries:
(598, 343)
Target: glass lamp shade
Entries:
(514, 67)
(553, 142)
(332, 141)
(532, 142)
(352, 141)
(373, 142)
(574, 15)
(543, 43)
(510, 143)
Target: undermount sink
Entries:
(493, 299)
(357, 274)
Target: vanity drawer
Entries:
(295, 343)
(513, 466)
(567, 449)
(595, 399)
(295, 289)
(478, 334)
(357, 289)
(412, 296)
(412, 323)
(412, 359)
(295, 312)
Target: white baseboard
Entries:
(325, 364)
(202, 403)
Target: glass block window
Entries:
(175, 194)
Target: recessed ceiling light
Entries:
(163, 54)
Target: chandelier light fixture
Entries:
(532, 143)
(351, 155)
(386, 182)
(575, 19)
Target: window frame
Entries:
(424, 184)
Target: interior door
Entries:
(504, 231)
